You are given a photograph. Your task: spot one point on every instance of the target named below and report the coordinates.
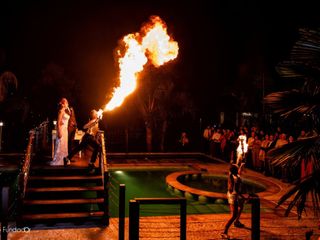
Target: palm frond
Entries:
(298, 70)
(307, 48)
(303, 64)
(304, 61)
(285, 70)
(299, 192)
(294, 101)
(291, 155)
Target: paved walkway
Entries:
(199, 227)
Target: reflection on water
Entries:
(219, 183)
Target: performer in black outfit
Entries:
(89, 139)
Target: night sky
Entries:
(226, 47)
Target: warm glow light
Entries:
(99, 113)
(243, 145)
(158, 44)
(151, 43)
(1, 124)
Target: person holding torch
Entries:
(235, 198)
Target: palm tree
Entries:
(8, 84)
(160, 100)
(301, 103)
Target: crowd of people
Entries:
(252, 145)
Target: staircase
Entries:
(58, 196)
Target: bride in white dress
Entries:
(61, 144)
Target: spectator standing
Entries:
(256, 145)
(184, 142)
(207, 134)
(216, 143)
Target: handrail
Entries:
(134, 214)
(36, 135)
(41, 136)
(103, 159)
(122, 211)
(255, 216)
(105, 177)
(24, 169)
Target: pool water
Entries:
(219, 183)
(152, 184)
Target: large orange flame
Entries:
(152, 43)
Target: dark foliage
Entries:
(304, 102)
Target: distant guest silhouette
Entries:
(184, 142)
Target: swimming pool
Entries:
(152, 183)
(219, 183)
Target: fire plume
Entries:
(151, 43)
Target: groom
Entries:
(89, 139)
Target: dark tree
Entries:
(14, 111)
(159, 101)
(53, 84)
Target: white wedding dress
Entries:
(61, 144)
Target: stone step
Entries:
(36, 217)
(65, 189)
(61, 178)
(63, 201)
